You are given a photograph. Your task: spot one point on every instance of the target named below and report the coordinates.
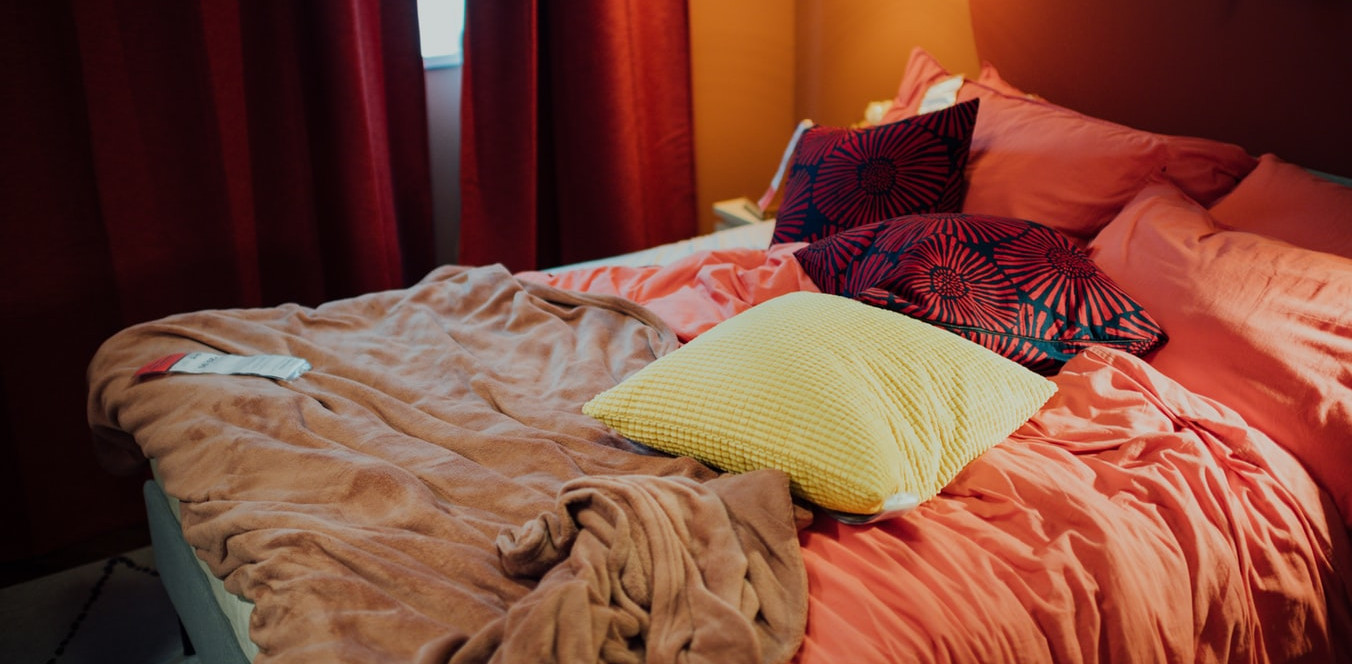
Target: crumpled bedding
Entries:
(430, 490)
(695, 292)
(1130, 520)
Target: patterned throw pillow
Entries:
(842, 178)
(1016, 287)
(855, 404)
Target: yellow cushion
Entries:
(853, 402)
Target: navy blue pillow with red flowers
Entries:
(1018, 288)
(842, 178)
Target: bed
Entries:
(1000, 382)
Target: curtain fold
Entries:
(270, 129)
(577, 130)
(164, 156)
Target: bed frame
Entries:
(1095, 57)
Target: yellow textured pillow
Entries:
(853, 402)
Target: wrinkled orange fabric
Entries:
(1129, 520)
(1253, 322)
(694, 293)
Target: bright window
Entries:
(442, 23)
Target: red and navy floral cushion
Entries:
(1016, 287)
(842, 178)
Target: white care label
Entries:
(280, 367)
(941, 95)
(769, 196)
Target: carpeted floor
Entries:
(111, 611)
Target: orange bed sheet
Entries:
(696, 292)
(1129, 520)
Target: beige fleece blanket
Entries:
(430, 491)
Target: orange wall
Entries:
(759, 66)
(850, 53)
(742, 66)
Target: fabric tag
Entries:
(895, 505)
(941, 95)
(280, 367)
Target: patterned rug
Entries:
(114, 610)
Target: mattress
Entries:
(748, 235)
(234, 610)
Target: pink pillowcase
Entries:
(1255, 323)
(1282, 200)
(1031, 159)
(923, 71)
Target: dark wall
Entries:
(1272, 76)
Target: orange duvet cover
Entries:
(1129, 520)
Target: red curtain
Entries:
(576, 130)
(163, 156)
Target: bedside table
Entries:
(736, 212)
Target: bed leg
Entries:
(188, 649)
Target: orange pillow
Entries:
(1282, 200)
(1255, 323)
(923, 71)
(990, 77)
(1031, 159)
